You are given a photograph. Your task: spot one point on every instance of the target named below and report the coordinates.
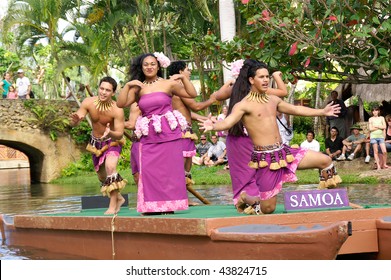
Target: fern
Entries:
(49, 118)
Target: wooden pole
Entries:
(196, 194)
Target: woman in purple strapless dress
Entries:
(161, 183)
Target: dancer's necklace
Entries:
(103, 106)
(257, 97)
(154, 81)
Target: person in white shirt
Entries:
(23, 86)
(216, 153)
(310, 143)
(69, 90)
(284, 126)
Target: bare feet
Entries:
(116, 201)
(110, 211)
(192, 203)
(386, 167)
(120, 201)
(355, 206)
(241, 203)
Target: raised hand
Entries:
(212, 118)
(75, 119)
(206, 125)
(106, 133)
(176, 77)
(134, 83)
(332, 110)
(277, 74)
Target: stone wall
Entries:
(47, 157)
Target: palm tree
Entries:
(227, 27)
(35, 21)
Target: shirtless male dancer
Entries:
(275, 162)
(106, 139)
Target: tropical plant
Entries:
(349, 39)
(49, 117)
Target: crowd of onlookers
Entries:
(374, 143)
(21, 89)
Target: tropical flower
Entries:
(156, 122)
(181, 119)
(172, 121)
(236, 66)
(163, 60)
(293, 49)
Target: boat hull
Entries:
(308, 235)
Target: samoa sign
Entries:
(316, 199)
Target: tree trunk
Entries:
(291, 98)
(227, 28)
(317, 101)
(361, 108)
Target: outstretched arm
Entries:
(80, 114)
(237, 113)
(225, 91)
(196, 117)
(329, 110)
(198, 106)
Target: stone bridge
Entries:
(47, 157)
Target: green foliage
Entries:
(302, 124)
(81, 133)
(124, 162)
(8, 61)
(79, 167)
(49, 117)
(329, 37)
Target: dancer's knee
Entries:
(268, 208)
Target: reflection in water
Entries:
(12, 177)
(17, 196)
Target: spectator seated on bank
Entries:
(216, 154)
(202, 150)
(334, 144)
(310, 143)
(353, 144)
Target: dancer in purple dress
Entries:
(161, 184)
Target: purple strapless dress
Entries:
(162, 185)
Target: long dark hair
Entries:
(241, 88)
(136, 67)
(176, 66)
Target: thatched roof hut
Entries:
(372, 92)
(380, 93)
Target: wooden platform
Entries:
(205, 232)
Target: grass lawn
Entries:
(218, 176)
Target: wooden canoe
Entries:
(204, 232)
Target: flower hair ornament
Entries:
(235, 67)
(163, 60)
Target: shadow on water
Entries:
(17, 196)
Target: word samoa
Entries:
(313, 199)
